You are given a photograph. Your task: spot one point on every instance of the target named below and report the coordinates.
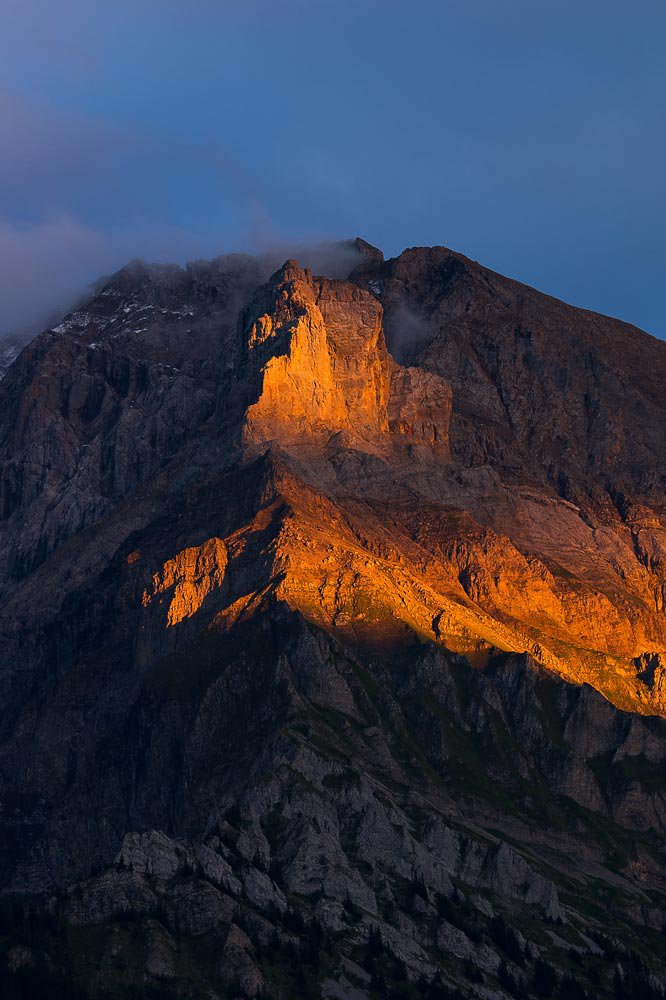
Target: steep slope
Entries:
(554, 393)
(557, 431)
(289, 627)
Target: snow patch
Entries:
(76, 321)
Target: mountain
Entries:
(334, 640)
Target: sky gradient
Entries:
(529, 136)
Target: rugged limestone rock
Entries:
(317, 653)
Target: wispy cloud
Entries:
(43, 265)
(46, 265)
(78, 198)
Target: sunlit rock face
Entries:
(503, 486)
(322, 361)
(324, 375)
(316, 592)
(188, 579)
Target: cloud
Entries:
(43, 266)
(327, 258)
(79, 198)
(406, 330)
(47, 265)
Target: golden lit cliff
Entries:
(380, 536)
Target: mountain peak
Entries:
(330, 608)
(493, 432)
(318, 348)
(369, 251)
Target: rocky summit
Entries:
(333, 639)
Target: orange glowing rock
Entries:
(503, 489)
(186, 580)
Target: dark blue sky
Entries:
(528, 135)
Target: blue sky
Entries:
(528, 135)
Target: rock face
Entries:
(317, 350)
(11, 346)
(333, 638)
